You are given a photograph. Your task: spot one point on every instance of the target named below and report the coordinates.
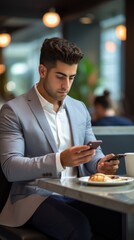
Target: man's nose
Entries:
(66, 83)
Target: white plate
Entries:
(119, 181)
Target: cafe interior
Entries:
(103, 29)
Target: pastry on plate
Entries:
(100, 177)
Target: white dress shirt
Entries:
(60, 128)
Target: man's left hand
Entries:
(108, 167)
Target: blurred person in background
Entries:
(105, 113)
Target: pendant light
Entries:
(5, 39)
(51, 19)
(121, 32)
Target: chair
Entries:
(21, 233)
(15, 233)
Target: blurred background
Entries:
(103, 29)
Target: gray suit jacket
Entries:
(25, 138)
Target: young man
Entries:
(44, 133)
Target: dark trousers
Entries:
(68, 219)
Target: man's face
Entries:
(57, 82)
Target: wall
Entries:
(87, 37)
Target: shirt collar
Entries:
(45, 104)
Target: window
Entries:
(111, 50)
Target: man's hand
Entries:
(108, 167)
(76, 155)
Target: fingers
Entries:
(80, 152)
(77, 155)
(85, 153)
(80, 148)
(108, 167)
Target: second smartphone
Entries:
(94, 144)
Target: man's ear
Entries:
(42, 70)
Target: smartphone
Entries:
(94, 144)
(116, 157)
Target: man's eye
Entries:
(59, 76)
(71, 78)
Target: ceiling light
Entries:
(51, 19)
(2, 68)
(5, 39)
(121, 32)
(85, 20)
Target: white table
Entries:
(119, 198)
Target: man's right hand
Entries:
(76, 155)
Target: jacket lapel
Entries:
(72, 118)
(37, 110)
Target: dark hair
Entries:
(104, 100)
(55, 49)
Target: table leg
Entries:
(128, 226)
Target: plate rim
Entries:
(130, 179)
